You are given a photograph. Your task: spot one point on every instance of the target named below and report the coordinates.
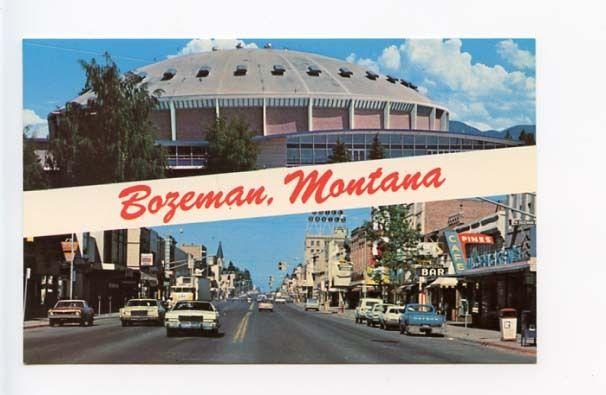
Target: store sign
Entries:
(498, 258)
(431, 271)
(147, 259)
(67, 246)
(475, 238)
(456, 250)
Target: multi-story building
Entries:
(432, 216)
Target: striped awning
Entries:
(444, 282)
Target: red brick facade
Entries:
(368, 119)
(330, 118)
(399, 120)
(437, 213)
(192, 124)
(286, 120)
(361, 252)
(251, 115)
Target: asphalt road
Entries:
(288, 335)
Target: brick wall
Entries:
(360, 253)
(286, 120)
(251, 115)
(161, 118)
(330, 118)
(437, 213)
(423, 122)
(368, 119)
(192, 124)
(399, 120)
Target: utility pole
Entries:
(71, 268)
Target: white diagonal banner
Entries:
(280, 191)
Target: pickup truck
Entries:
(422, 318)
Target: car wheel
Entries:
(82, 322)
(406, 330)
(170, 332)
(91, 322)
(123, 323)
(401, 329)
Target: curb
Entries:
(529, 351)
(43, 324)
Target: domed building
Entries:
(298, 105)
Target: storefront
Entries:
(493, 279)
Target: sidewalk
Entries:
(486, 337)
(42, 322)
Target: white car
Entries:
(365, 304)
(265, 305)
(372, 316)
(142, 310)
(191, 315)
(312, 304)
(390, 318)
(280, 300)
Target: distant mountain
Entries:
(461, 127)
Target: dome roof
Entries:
(248, 72)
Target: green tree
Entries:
(230, 146)
(397, 240)
(377, 151)
(111, 138)
(507, 135)
(34, 176)
(522, 136)
(340, 153)
(527, 138)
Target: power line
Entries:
(82, 51)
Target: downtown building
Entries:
(297, 104)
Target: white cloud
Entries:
(390, 58)
(34, 125)
(518, 58)
(364, 62)
(198, 45)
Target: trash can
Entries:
(508, 322)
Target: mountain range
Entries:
(461, 127)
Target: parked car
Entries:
(372, 315)
(142, 310)
(312, 304)
(192, 315)
(280, 300)
(365, 304)
(265, 305)
(71, 311)
(390, 317)
(422, 318)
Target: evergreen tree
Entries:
(110, 138)
(230, 146)
(508, 135)
(522, 136)
(340, 153)
(33, 171)
(377, 151)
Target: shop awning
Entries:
(444, 282)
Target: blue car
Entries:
(421, 318)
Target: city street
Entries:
(288, 335)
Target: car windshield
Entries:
(312, 300)
(395, 310)
(182, 289)
(70, 303)
(420, 308)
(189, 305)
(370, 304)
(146, 303)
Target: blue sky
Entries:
(257, 244)
(487, 83)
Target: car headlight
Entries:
(78, 313)
(50, 313)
